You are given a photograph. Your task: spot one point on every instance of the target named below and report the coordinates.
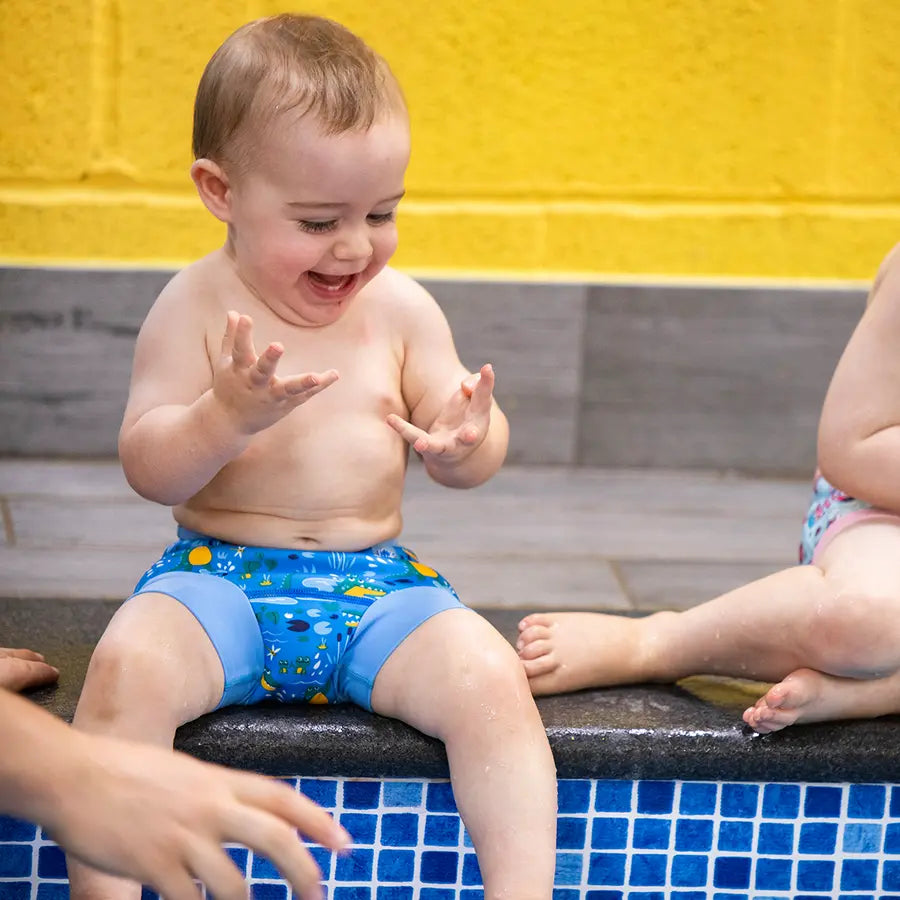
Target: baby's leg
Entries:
(456, 678)
(153, 669)
(753, 631)
(857, 637)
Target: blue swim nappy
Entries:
(299, 625)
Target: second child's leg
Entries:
(153, 669)
(828, 626)
(457, 679)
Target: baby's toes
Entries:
(532, 634)
(535, 649)
(535, 619)
(534, 668)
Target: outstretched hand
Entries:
(460, 427)
(23, 669)
(247, 384)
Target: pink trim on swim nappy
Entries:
(843, 522)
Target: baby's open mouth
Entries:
(334, 283)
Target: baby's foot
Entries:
(810, 696)
(569, 651)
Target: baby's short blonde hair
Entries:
(308, 64)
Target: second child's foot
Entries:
(568, 651)
(810, 696)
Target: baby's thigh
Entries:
(864, 560)
(452, 666)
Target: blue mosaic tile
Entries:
(322, 790)
(564, 894)
(817, 838)
(16, 890)
(394, 892)
(439, 867)
(859, 874)
(355, 866)
(774, 874)
(892, 838)
(323, 859)
(613, 796)
(471, 894)
(815, 874)
(606, 868)
(866, 801)
(47, 892)
(15, 861)
(689, 870)
(890, 875)
(399, 829)
(651, 834)
(361, 826)
(442, 831)
(269, 892)
(574, 796)
(402, 793)
(361, 794)
(437, 894)
(822, 802)
(693, 834)
(862, 838)
(396, 865)
(240, 856)
(655, 797)
(647, 870)
(354, 892)
(781, 801)
(262, 868)
(471, 873)
(732, 872)
(604, 895)
(775, 839)
(739, 801)
(698, 799)
(736, 837)
(570, 833)
(440, 797)
(52, 862)
(609, 834)
(568, 868)
(16, 830)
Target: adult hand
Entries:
(460, 427)
(22, 669)
(247, 385)
(162, 817)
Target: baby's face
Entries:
(313, 220)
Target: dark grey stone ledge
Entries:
(639, 732)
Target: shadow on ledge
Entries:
(692, 731)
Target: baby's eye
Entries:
(316, 227)
(382, 218)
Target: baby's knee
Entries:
(857, 633)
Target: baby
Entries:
(277, 385)
(823, 631)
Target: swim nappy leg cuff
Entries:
(383, 627)
(227, 617)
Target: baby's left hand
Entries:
(460, 426)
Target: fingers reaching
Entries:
(23, 669)
(415, 436)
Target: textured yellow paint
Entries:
(680, 137)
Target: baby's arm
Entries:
(186, 418)
(454, 422)
(859, 432)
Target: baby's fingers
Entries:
(264, 369)
(243, 352)
(310, 384)
(412, 435)
(483, 392)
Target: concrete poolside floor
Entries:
(532, 538)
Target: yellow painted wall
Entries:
(690, 138)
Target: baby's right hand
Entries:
(247, 386)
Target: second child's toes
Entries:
(535, 649)
(537, 667)
(534, 619)
(532, 634)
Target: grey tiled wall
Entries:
(607, 375)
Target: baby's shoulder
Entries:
(194, 293)
(401, 295)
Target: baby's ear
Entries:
(213, 188)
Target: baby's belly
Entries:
(260, 529)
